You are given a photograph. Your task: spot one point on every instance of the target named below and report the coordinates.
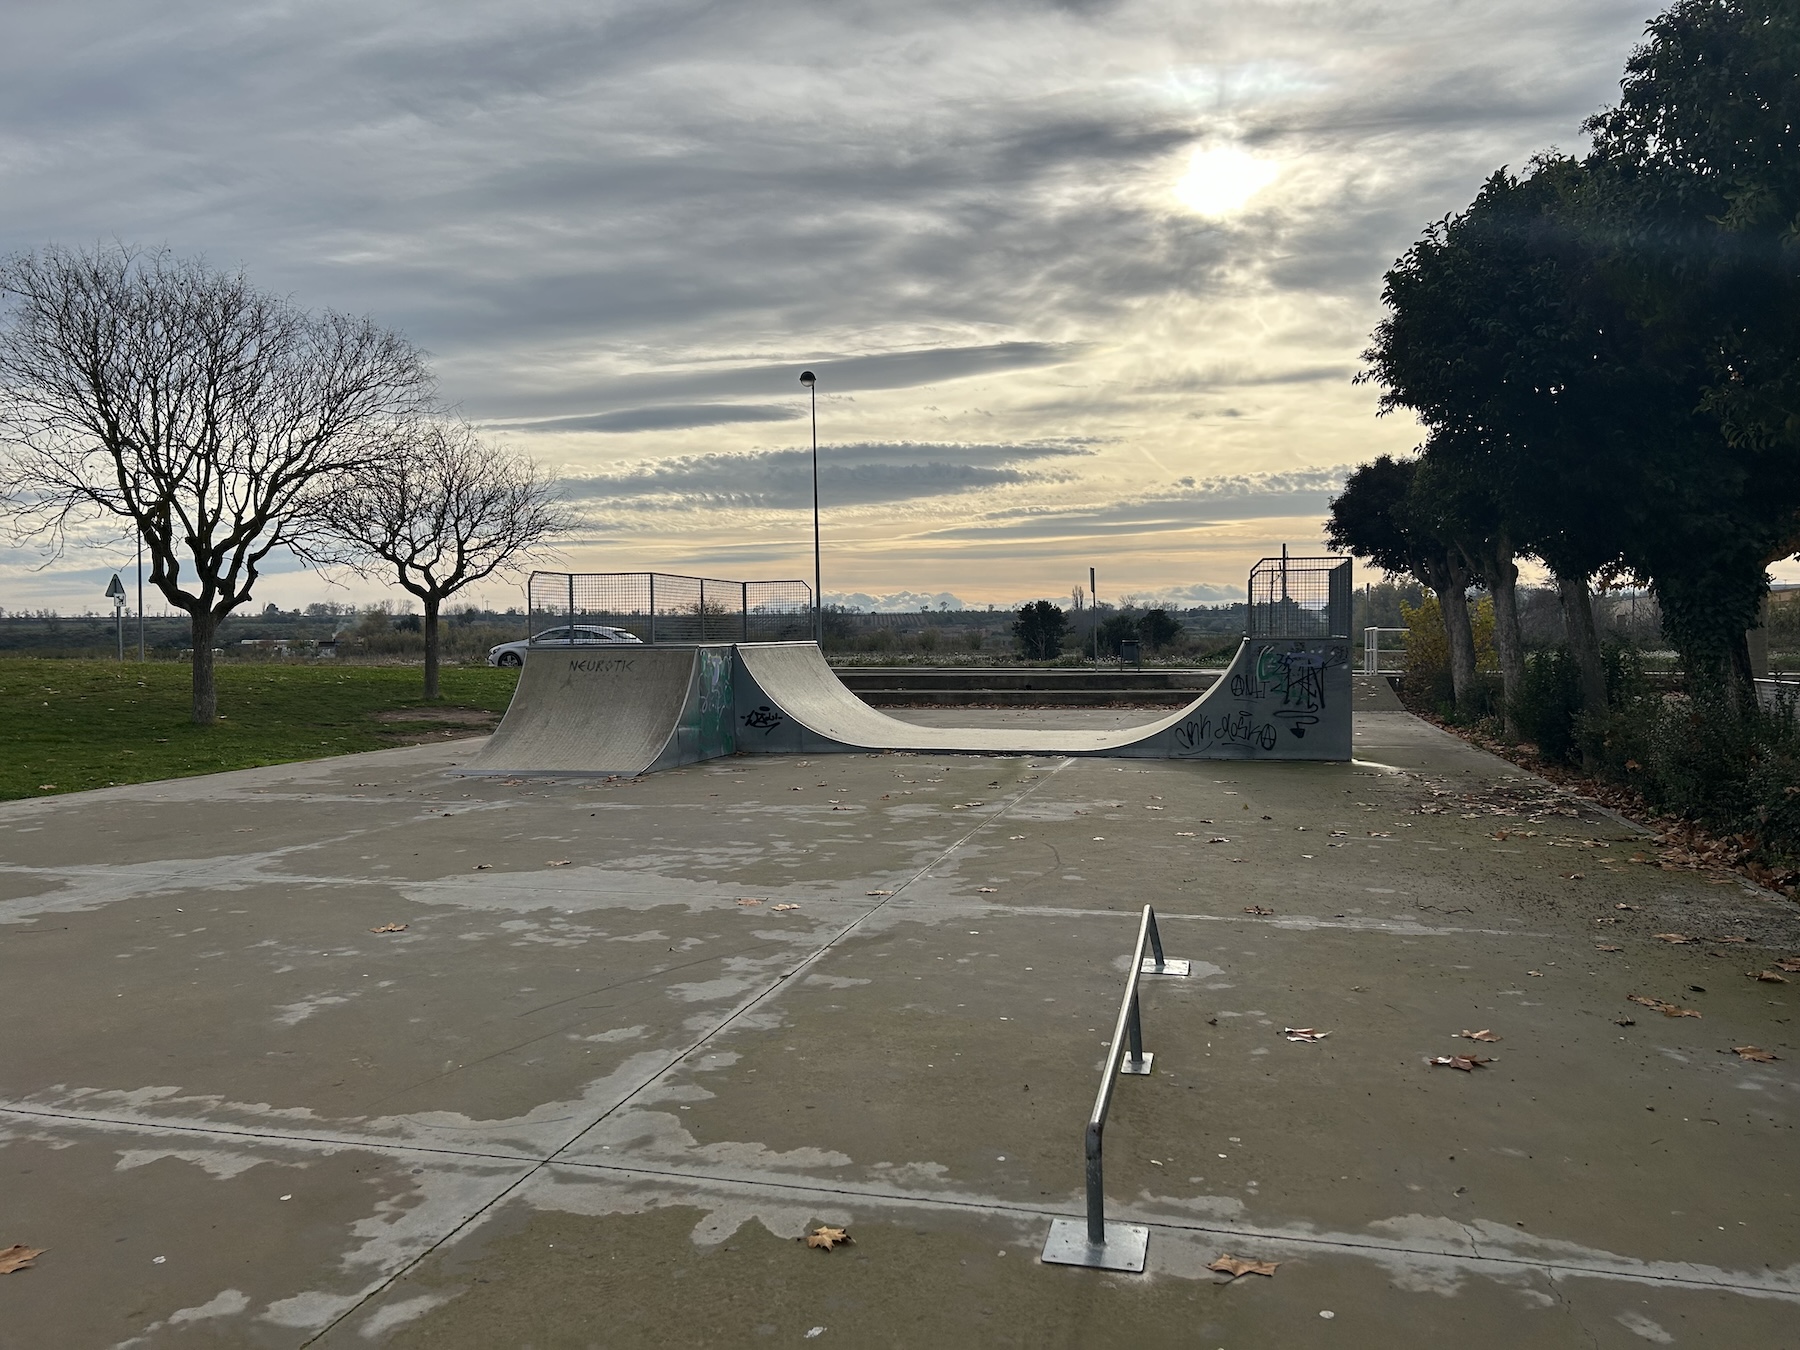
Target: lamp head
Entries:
(807, 378)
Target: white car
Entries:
(513, 653)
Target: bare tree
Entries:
(445, 511)
(143, 388)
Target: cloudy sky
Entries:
(1084, 281)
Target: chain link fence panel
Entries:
(1299, 598)
(661, 607)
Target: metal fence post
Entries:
(653, 607)
(744, 600)
(571, 607)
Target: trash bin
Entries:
(1130, 649)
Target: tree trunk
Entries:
(203, 625)
(1741, 686)
(1509, 643)
(1453, 599)
(431, 646)
(1449, 579)
(1584, 643)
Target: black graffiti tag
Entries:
(1239, 728)
(762, 718)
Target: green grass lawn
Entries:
(70, 725)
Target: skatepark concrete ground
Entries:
(588, 1098)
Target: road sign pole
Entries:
(115, 592)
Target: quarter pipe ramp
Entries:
(605, 711)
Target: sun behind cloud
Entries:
(1223, 179)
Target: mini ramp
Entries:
(1280, 699)
(649, 708)
(627, 710)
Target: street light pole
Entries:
(810, 380)
(1094, 612)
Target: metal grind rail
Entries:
(1095, 1242)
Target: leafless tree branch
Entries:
(444, 511)
(218, 420)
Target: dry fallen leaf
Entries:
(1304, 1034)
(749, 902)
(1258, 909)
(986, 890)
(18, 1257)
(877, 892)
(1538, 973)
(1467, 1063)
(556, 862)
(390, 928)
(484, 867)
(1755, 1053)
(1622, 905)
(1235, 1266)
(1791, 964)
(1767, 976)
(1666, 1009)
(1478, 1035)
(826, 1238)
(1730, 939)
(784, 907)
(1671, 937)
(1607, 947)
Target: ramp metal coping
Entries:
(1095, 1242)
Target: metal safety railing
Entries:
(662, 607)
(1095, 1242)
(1373, 651)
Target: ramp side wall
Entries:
(1281, 698)
(707, 724)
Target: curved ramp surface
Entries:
(1280, 699)
(594, 711)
